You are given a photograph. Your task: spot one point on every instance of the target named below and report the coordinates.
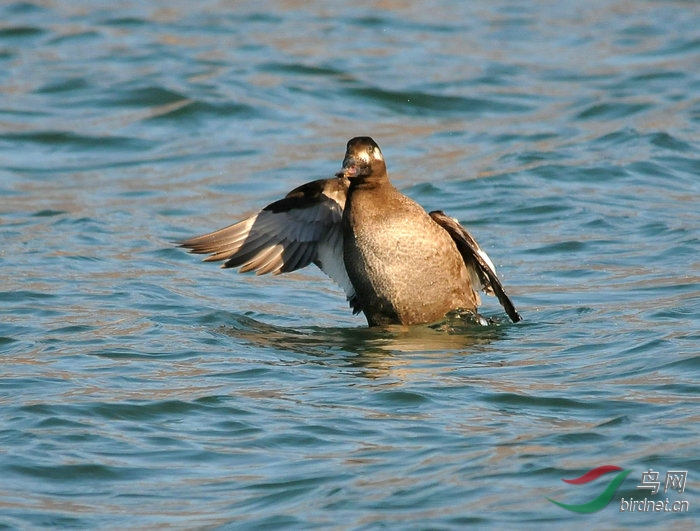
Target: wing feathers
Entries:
(477, 261)
(286, 235)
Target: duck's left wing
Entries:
(302, 228)
(478, 263)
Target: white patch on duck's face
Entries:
(363, 156)
(368, 155)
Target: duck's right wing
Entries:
(302, 228)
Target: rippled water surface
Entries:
(142, 389)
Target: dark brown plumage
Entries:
(396, 263)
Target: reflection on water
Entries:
(454, 334)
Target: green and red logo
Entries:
(604, 498)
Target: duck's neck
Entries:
(370, 182)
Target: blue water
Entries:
(142, 389)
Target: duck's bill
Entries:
(349, 171)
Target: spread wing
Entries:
(302, 228)
(479, 265)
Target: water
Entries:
(143, 389)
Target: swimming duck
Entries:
(397, 263)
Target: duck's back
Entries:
(405, 268)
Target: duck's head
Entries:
(363, 159)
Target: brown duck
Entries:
(396, 263)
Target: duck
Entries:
(397, 263)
